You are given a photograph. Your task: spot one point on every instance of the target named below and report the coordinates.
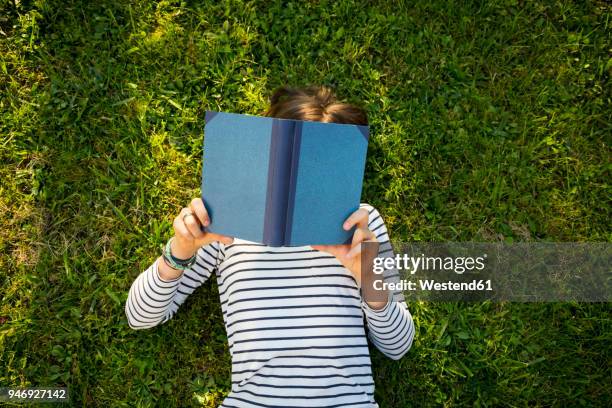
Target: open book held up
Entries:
(282, 182)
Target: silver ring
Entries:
(186, 215)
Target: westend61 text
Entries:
(432, 285)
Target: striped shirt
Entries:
(297, 326)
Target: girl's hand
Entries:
(349, 255)
(188, 234)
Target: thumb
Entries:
(330, 249)
(212, 237)
(224, 239)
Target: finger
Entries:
(360, 235)
(334, 250)
(209, 237)
(322, 248)
(192, 223)
(180, 228)
(224, 239)
(359, 217)
(197, 206)
(356, 250)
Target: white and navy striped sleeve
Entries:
(152, 300)
(390, 329)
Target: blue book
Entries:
(282, 182)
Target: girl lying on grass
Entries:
(295, 317)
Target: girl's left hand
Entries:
(349, 255)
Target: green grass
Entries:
(490, 122)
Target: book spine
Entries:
(292, 176)
(281, 145)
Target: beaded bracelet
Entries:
(167, 262)
(175, 262)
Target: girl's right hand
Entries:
(188, 235)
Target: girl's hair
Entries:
(315, 103)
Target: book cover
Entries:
(281, 182)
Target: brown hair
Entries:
(315, 103)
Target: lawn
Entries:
(489, 122)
